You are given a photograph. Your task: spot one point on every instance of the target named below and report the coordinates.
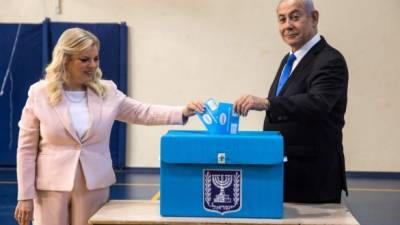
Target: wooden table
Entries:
(148, 212)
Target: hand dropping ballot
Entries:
(219, 117)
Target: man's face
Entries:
(296, 26)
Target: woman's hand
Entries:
(24, 211)
(192, 107)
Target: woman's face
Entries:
(82, 68)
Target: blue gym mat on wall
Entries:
(26, 50)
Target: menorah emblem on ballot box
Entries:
(222, 181)
(222, 190)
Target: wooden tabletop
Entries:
(148, 212)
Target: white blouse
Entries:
(79, 111)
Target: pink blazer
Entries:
(49, 149)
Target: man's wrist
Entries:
(266, 104)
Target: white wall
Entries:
(195, 49)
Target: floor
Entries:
(373, 199)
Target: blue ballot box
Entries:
(217, 175)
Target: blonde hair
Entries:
(71, 42)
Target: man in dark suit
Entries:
(306, 103)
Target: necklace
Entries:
(73, 97)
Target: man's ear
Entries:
(315, 18)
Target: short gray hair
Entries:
(308, 5)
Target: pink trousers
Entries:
(69, 208)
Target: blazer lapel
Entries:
(274, 85)
(95, 104)
(63, 114)
(308, 58)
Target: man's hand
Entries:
(24, 211)
(249, 102)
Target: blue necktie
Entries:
(285, 73)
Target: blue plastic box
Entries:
(214, 175)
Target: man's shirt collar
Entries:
(304, 49)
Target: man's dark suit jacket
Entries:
(309, 113)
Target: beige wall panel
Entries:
(195, 49)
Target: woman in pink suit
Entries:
(64, 167)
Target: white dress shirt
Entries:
(304, 49)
